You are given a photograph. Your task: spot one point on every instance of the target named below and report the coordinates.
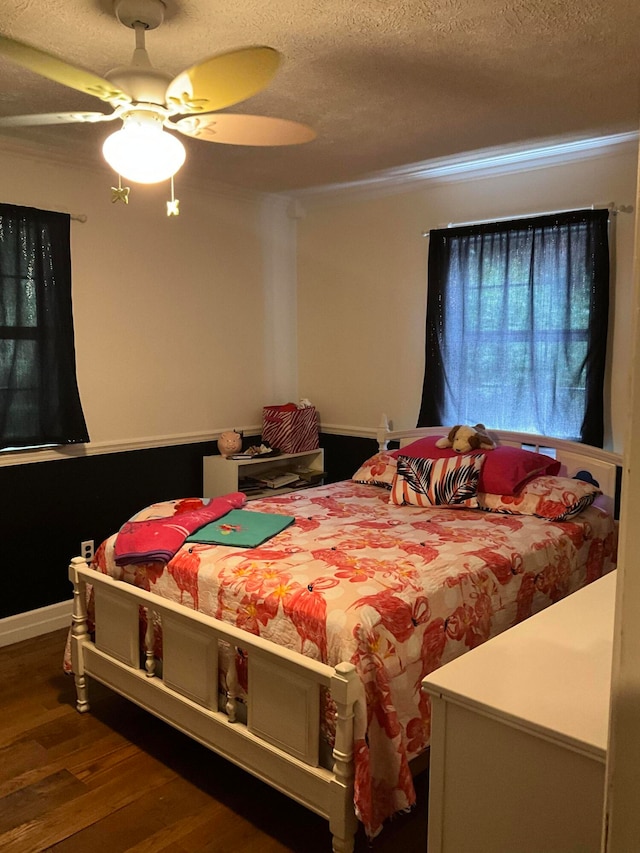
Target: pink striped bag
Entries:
(290, 429)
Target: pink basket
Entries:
(290, 429)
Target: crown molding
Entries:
(483, 163)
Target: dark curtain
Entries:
(517, 316)
(39, 399)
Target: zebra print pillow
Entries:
(436, 482)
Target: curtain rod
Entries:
(611, 207)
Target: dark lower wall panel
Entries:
(343, 454)
(48, 508)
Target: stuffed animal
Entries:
(463, 439)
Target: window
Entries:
(517, 316)
(39, 399)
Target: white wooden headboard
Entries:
(604, 466)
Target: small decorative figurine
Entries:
(229, 443)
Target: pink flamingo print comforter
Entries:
(396, 590)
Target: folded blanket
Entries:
(242, 528)
(160, 538)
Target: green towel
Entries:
(241, 528)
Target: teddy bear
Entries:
(463, 439)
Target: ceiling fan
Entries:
(149, 102)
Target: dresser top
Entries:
(551, 673)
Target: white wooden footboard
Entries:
(280, 741)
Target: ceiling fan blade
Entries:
(222, 80)
(234, 129)
(54, 118)
(48, 65)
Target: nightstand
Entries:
(222, 475)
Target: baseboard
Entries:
(24, 626)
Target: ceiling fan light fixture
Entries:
(142, 151)
(151, 105)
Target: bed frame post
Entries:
(345, 689)
(149, 659)
(382, 434)
(79, 633)
(232, 688)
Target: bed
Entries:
(301, 659)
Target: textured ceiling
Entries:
(385, 83)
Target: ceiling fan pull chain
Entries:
(120, 193)
(173, 205)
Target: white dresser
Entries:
(519, 734)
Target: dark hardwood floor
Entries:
(118, 779)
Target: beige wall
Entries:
(362, 280)
(169, 312)
(186, 326)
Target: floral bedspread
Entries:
(396, 590)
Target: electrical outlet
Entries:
(86, 550)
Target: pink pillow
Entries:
(506, 469)
(425, 448)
